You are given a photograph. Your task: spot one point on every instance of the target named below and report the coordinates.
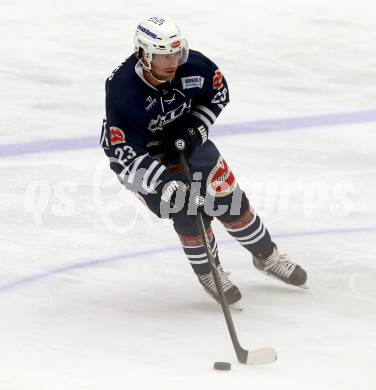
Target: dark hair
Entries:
(140, 53)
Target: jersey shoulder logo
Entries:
(116, 136)
(192, 82)
(217, 80)
(111, 76)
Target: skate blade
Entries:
(303, 286)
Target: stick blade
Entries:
(237, 306)
(265, 355)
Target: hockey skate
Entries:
(279, 266)
(232, 293)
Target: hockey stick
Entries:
(258, 356)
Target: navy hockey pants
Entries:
(224, 201)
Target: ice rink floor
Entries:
(95, 292)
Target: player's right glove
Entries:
(178, 197)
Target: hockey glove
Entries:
(177, 197)
(193, 136)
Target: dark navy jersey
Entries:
(139, 115)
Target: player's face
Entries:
(164, 66)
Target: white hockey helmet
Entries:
(160, 35)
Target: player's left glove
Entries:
(193, 137)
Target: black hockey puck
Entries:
(223, 366)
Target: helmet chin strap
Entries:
(155, 78)
(147, 68)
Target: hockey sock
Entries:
(194, 249)
(250, 232)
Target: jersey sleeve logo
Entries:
(116, 136)
(217, 80)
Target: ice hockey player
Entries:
(164, 92)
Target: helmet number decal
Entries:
(156, 20)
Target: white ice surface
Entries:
(139, 319)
